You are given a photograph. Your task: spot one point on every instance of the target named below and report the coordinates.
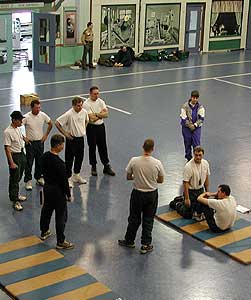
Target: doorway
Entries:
(21, 39)
(5, 43)
(194, 27)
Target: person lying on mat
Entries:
(220, 212)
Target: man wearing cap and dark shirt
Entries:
(56, 193)
(192, 117)
(13, 146)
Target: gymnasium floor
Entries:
(145, 102)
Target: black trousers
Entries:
(16, 175)
(209, 215)
(88, 49)
(54, 199)
(74, 152)
(187, 212)
(34, 151)
(96, 136)
(143, 206)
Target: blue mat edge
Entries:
(179, 229)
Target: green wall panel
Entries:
(224, 45)
(68, 55)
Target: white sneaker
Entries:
(70, 183)
(40, 181)
(22, 198)
(17, 206)
(78, 179)
(28, 185)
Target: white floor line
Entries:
(140, 87)
(120, 110)
(132, 73)
(233, 83)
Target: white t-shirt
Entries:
(95, 107)
(34, 125)
(74, 122)
(196, 174)
(145, 170)
(225, 211)
(14, 139)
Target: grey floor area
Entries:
(145, 102)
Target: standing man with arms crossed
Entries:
(147, 172)
(72, 124)
(96, 135)
(192, 117)
(13, 146)
(56, 193)
(34, 142)
(87, 41)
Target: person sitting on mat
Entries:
(220, 213)
(195, 182)
(123, 58)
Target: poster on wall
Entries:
(117, 26)
(226, 18)
(162, 24)
(70, 26)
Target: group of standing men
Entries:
(49, 172)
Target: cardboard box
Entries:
(26, 99)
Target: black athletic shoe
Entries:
(45, 235)
(146, 248)
(108, 170)
(125, 243)
(65, 245)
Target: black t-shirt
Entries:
(54, 172)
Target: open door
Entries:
(44, 35)
(6, 59)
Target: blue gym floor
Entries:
(145, 101)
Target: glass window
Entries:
(117, 26)
(226, 18)
(162, 24)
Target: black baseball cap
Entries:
(16, 115)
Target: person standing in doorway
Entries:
(192, 117)
(146, 172)
(35, 138)
(87, 41)
(96, 135)
(13, 146)
(56, 193)
(72, 124)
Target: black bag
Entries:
(105, 62)
(178, 204)
(175, 201)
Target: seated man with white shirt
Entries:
(195, 182)
(220, 212)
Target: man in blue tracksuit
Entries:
(192, 117)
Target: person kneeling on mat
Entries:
(195, 182)
(220, 213)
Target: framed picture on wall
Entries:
(226, 18)
(70, 27)
(162, 24)
(117, 26)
